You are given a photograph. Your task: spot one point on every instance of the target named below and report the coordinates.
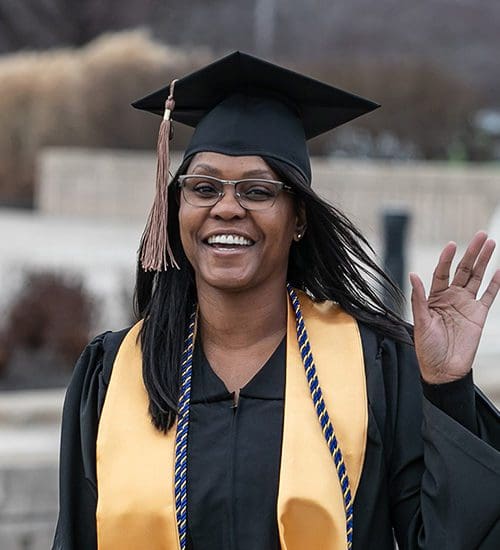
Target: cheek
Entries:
(287, 225)
(182, 224)
(187, 227)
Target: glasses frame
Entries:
(279, 184)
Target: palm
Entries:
(448, 324)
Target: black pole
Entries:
(395, 228)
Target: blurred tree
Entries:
(459, 36)
(81, 97)
(422, 105)
(42, 24)
(46, 327)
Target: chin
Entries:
(229, 281)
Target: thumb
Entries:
(421, 314)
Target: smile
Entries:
(232, 240)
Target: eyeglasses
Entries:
(251, 194)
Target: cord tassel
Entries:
(155, 250)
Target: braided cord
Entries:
(324, 418)
(180, 470)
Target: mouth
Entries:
(228, 241)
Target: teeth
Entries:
(229, 239)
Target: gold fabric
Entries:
(310, 503)
(135, 462)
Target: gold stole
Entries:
(135, 462)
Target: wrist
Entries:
(434, 378)
(456, 399)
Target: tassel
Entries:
(155, 251)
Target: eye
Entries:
(205, 189)
(202, 187)
(257, 190)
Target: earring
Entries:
(297, 237)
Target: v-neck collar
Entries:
(267, 383)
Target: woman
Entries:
(268, 399)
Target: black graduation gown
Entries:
(431, 474)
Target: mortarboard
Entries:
(241, 105)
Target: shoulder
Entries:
(111, 342)
(100, 352)
(383, 348)
(377, 339)
(93, 369)
(376, 330)
(391, 370)
(383, 353)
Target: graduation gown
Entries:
(431, 476)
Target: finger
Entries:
(491, 290)
(419, 307)
(441, 275)
(480, 266)
(464, 269)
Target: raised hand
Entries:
(448, 324)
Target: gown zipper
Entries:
(232, 496)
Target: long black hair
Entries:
(333, 261)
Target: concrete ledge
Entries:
(28, 506)
(30, 491)
(27, 535)
(22, 408)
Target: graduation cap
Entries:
(241, 105)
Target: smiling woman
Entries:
(267, 398)
(266, 232)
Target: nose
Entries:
(228, 207)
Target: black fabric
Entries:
(291, 109)
(425, 476)
(236, 481)
(76, 526)
(456, 398)
(253, 125)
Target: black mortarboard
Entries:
(242, 105)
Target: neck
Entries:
(238, 320)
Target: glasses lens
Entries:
(201, 191)
(256, 194)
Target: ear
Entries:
(300, 218)
(300, 221)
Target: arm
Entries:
(456, 504)
(77, 484)
(444, 476)
(76, 526)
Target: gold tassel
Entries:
(155, 250)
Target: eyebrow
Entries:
(210, 170)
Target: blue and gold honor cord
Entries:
(323, 417)
(180, 479)
(180, 469)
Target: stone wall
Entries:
(446, 201)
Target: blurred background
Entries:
(77, 170)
